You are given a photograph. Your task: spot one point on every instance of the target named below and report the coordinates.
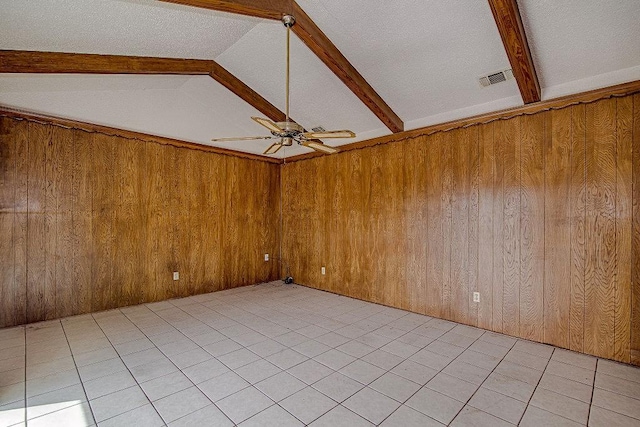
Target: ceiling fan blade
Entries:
(273, 149)
(268, 124)
(329, 134)
(247, 138)
(318, 146)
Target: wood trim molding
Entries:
(317, 41)
(509, 22)
(139, 136)
(620, 90)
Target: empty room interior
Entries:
(319, 212)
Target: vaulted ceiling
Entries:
(419, 61)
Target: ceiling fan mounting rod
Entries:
(288, 22)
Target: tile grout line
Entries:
(536, 387)
(444, 367)
(78, 372)
(171, 361)
(593, 390)
(128, 370)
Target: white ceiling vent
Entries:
(319, 129)
(495, 78)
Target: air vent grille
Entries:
(318, 129)
(495, 78)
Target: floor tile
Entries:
(54, 401)
(536, 417)
(109, 384)
(566, 387)
(287, 358)
(600, 417)
(472, 417)
(244, 404)
(52, 382)
(415, 372)
(480, 360)
(498, 405)
(221, 348)
(617, 402)
(432, 360)
(13, 413)
(266, 348)
(257, 371)
(509, 387)
(190, 358)
(222, 386)
(619, 370)
(311, 348)
(526, 359)
(273, 416)
(385, 356)
(371, 405)
(395, 386)
(518, 372)
(180, 404)
(144, 416)
(452, 387)
(573, 358)
(334, 359)
(338, 387)
(308, 404)
(362, 372)
(74, 416)
(152, 370)
(466, 372)
(209, 415)
(205, 371)
(310, 371)
(404, 416)
(117, 403)
(238, 358)
(165, 385)
(435, 405)
(12, 393)
(101, 369)
(340, 417)
(614, 384)
(280, 386)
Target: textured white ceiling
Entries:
(580, 45)
(422, 56)
(119, 27)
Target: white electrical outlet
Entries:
(176, 275)
(476, 297)
(324, 270)
(266, 257)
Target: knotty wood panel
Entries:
(91, 221)
(635, 236)
(539, 213)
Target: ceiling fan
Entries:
(289, 131)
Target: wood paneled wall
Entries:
(91, 222)
(539, 213)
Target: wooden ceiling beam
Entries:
(14, 61)
(509, 22)
(316, 40)
(21, 61)
(328, 53)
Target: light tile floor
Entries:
(282, 355)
